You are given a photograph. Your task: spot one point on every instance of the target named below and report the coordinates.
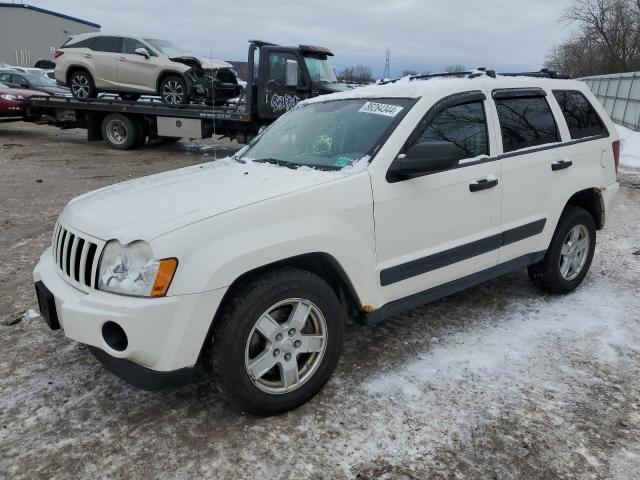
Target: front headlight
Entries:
(132, 270)
(9, 97)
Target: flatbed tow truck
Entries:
(284, 76)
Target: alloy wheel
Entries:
(286, 346)
(574, 252)
(173, 92)
(80, 86)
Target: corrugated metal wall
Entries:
(620, 95)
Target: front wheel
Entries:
(276, 342)
(173, 90)
(569, 256)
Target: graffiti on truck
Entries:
(284, 102)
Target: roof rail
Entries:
(543, 73)
(482, 71)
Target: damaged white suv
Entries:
(359, 204)
(131, 66)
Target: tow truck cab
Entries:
(286, 76)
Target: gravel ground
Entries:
(498, 382)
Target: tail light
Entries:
(616, 153)
(57, 53)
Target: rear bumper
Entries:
(163, 334)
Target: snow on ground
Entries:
(630, 154)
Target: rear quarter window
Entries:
(86, 43)
(582, 119)
(526, 122)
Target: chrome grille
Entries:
(76, 256)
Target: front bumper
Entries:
(164, 334)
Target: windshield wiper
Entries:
(276, 161)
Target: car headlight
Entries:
(132, 270)
(9, 97)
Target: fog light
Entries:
(114, 336)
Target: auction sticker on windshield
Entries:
(381, 109)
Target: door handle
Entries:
(561, 165)
(483, 184)
(87, 55)
(122, 59)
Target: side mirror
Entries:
(142, 51)
(424, 158)
(292, 73)
(24, 85)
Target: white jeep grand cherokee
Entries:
(362, 204)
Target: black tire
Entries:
(82, 85)
(173, 90)
(143, 126)
(225, 355)
(129, 97)
(547, 274)
(120, 131)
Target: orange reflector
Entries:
(165, 274)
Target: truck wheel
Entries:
(569, 256)
(120, 131)
(276, 342)
(173, 90)
(82, 85)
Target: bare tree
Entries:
(356, 74)
(458, 67)
(607, 39)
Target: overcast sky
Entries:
(423, 35)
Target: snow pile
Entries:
(630, 156)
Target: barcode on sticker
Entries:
(381, 109)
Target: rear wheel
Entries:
(120, 131)
(569, 256)
(173, 90)
(276, 342)
(82, 85)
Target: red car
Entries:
(12, 102)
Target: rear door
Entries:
(101, 61)
(530, 145)
(136, 72)
(283, 83)
(443, 226)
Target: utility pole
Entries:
(387, 73)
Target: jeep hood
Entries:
(147, 207)
(199, 62)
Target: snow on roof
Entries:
(407, 88)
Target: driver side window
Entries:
(278, 68)
(464, 125)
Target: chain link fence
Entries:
(620, 95)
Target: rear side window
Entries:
(463, 125)
(86, 43)
(106, 44)
(525, 122)
(581, 117)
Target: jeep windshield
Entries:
(166, 47)
(327, 135)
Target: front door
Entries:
(136, 72)
(283, 84)
(444, 226)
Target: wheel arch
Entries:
(168, 73)
(74, 68)
(592, 201)
(321, 264)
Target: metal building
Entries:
(29, 34)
